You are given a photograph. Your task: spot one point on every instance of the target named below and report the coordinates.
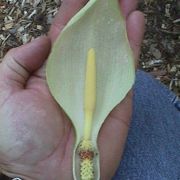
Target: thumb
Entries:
(19, 63)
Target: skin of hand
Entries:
(36, 137)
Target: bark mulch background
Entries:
(161, 46)
(23, 20)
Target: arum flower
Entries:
(90, 71)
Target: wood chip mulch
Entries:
(161, 46)
(23, 20)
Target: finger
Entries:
(128, 6)
(135, 30)
(67, 10)
(20, 62)
(113, 135)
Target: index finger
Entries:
(67, 10)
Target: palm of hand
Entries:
(36, 131)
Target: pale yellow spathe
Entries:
(99, 25)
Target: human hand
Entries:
(36, 136)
